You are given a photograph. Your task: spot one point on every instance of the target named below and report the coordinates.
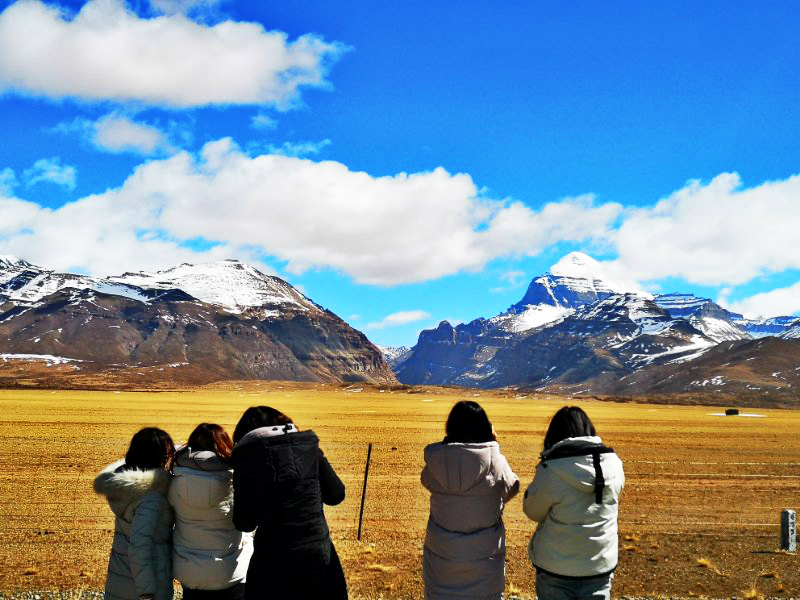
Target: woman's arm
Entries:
(141, 553)
(247, 501)
(507, 480)
(538, 498)
(331, 487)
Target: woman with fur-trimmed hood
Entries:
(140, 566)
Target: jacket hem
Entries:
(574, 577)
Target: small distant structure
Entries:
(789, 530)
(731, 412)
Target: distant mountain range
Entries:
(196, 323)
(576, 331)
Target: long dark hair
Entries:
(468, 423)
(151, 448)
(258, 416)
(568, 422)
(210, 437)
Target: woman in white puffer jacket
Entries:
(210, 556)
(574, 497)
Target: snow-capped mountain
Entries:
(394, 354)
(231, 284)
(574, 281)
(710, 318)
(220, 320)
(575, 329)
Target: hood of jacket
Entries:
(123, 487)
(201, 460)
(286, 456)
(578, 471)
(459, 467)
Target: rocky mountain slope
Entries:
(576, 331)
(222, 320)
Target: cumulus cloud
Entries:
(107, 52)
(118, 133)
(717, 233)
(121, 134)
(388, 230)
(781, 301)
(50, 170)
(402, 317)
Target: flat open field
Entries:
(699, 516)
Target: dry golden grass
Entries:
(696, 484)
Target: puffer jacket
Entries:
(280, 482)
(464, 552)
(577, 535)
(141, 554)
(208, 552)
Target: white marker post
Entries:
(789, 530)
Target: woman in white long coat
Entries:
(210, 556)
(470, 481)
(140, 566)
(574, 497)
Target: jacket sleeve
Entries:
(331, 487)
(507, 481)
(141, 551)
(425, 478)
(538, 498)
(247, 500)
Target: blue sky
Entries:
(407, 163)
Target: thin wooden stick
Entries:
(364, 491)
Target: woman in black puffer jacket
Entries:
(281, 479)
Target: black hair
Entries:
(151, 448)
(258, 416)
(468, 423)
(568, 422)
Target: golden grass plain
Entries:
(699, 516)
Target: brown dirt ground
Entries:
(699, 514)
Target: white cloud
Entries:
(106, 52)
(299, 148)
(50, 170)
(402, 317)
(379, 230)
(182, 7)
(120, 134)
(263, 122)
(778, 302)
(714, 234)
(8, 181)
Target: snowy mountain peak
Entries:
(577, 265)
(232, 284)
(574, 281)
(8, 261)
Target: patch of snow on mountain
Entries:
(231, 284)
(697, 343)
(534, 315)
(48, 358)
(718, 330)
(392, 352)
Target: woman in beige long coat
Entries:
(470, 482)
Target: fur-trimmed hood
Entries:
(123, 487)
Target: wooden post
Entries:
(364, 491)
(789, 530)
